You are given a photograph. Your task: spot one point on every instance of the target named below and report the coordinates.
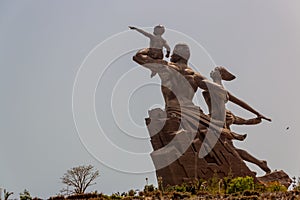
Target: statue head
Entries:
(181, 53)
(159, 30)
(223, 73)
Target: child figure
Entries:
(157, 43)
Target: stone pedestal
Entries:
(184, 165)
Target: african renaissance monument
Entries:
(187, 143)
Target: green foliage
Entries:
(259, 187)
(275, 187)
(214, 188)
(58, 197)
(181, 195)
(213, 184)
(180, 188)
(115, 196)
(226, 182)
(149, 188)
(160, 183)
(25, 195)
(157, 194)
(131, 193)
(250, 193)
(192, 187)
(141, 193)
(240, 184)
(84, 196)
(297, 187)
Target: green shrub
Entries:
(297, 187)
(248, 198)
(84, 196)
(149, 188)
(275, 187)
(213, 184)
(25, 195)
(128, 198)
(250, 193)
(259, 187)
(180, 188)
(240, 184)
(181, 195)
(141, 193)
(115, 196)
(58, 197)
(157, 194)
(131, 193)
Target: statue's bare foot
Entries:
(255, 173)
(264, 166)
(244, 137)
(240, 137)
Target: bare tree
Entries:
(80, 178)
(7, 194)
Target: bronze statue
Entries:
(181, 117)
(230, 118)
(177, 94)
(157, 42)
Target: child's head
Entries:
(159, 30)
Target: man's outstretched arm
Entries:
(150, 63)
(202, 81)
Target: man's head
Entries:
(181, 53)
(159, 30)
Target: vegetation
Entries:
(240, 184)
(297, 185)
(7, 194)
(80, 178)
(25, 195)
(275, 187)
(228, 187)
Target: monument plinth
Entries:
(222, 160)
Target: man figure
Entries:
(179, 84)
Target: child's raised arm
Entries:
(149, 35)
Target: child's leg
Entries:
(156, 53)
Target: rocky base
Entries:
(279, 176)
(176, 165)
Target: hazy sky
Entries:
(44, 43)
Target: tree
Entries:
(7, 194)
(25, 195)
(131, 193)
(80, 178)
